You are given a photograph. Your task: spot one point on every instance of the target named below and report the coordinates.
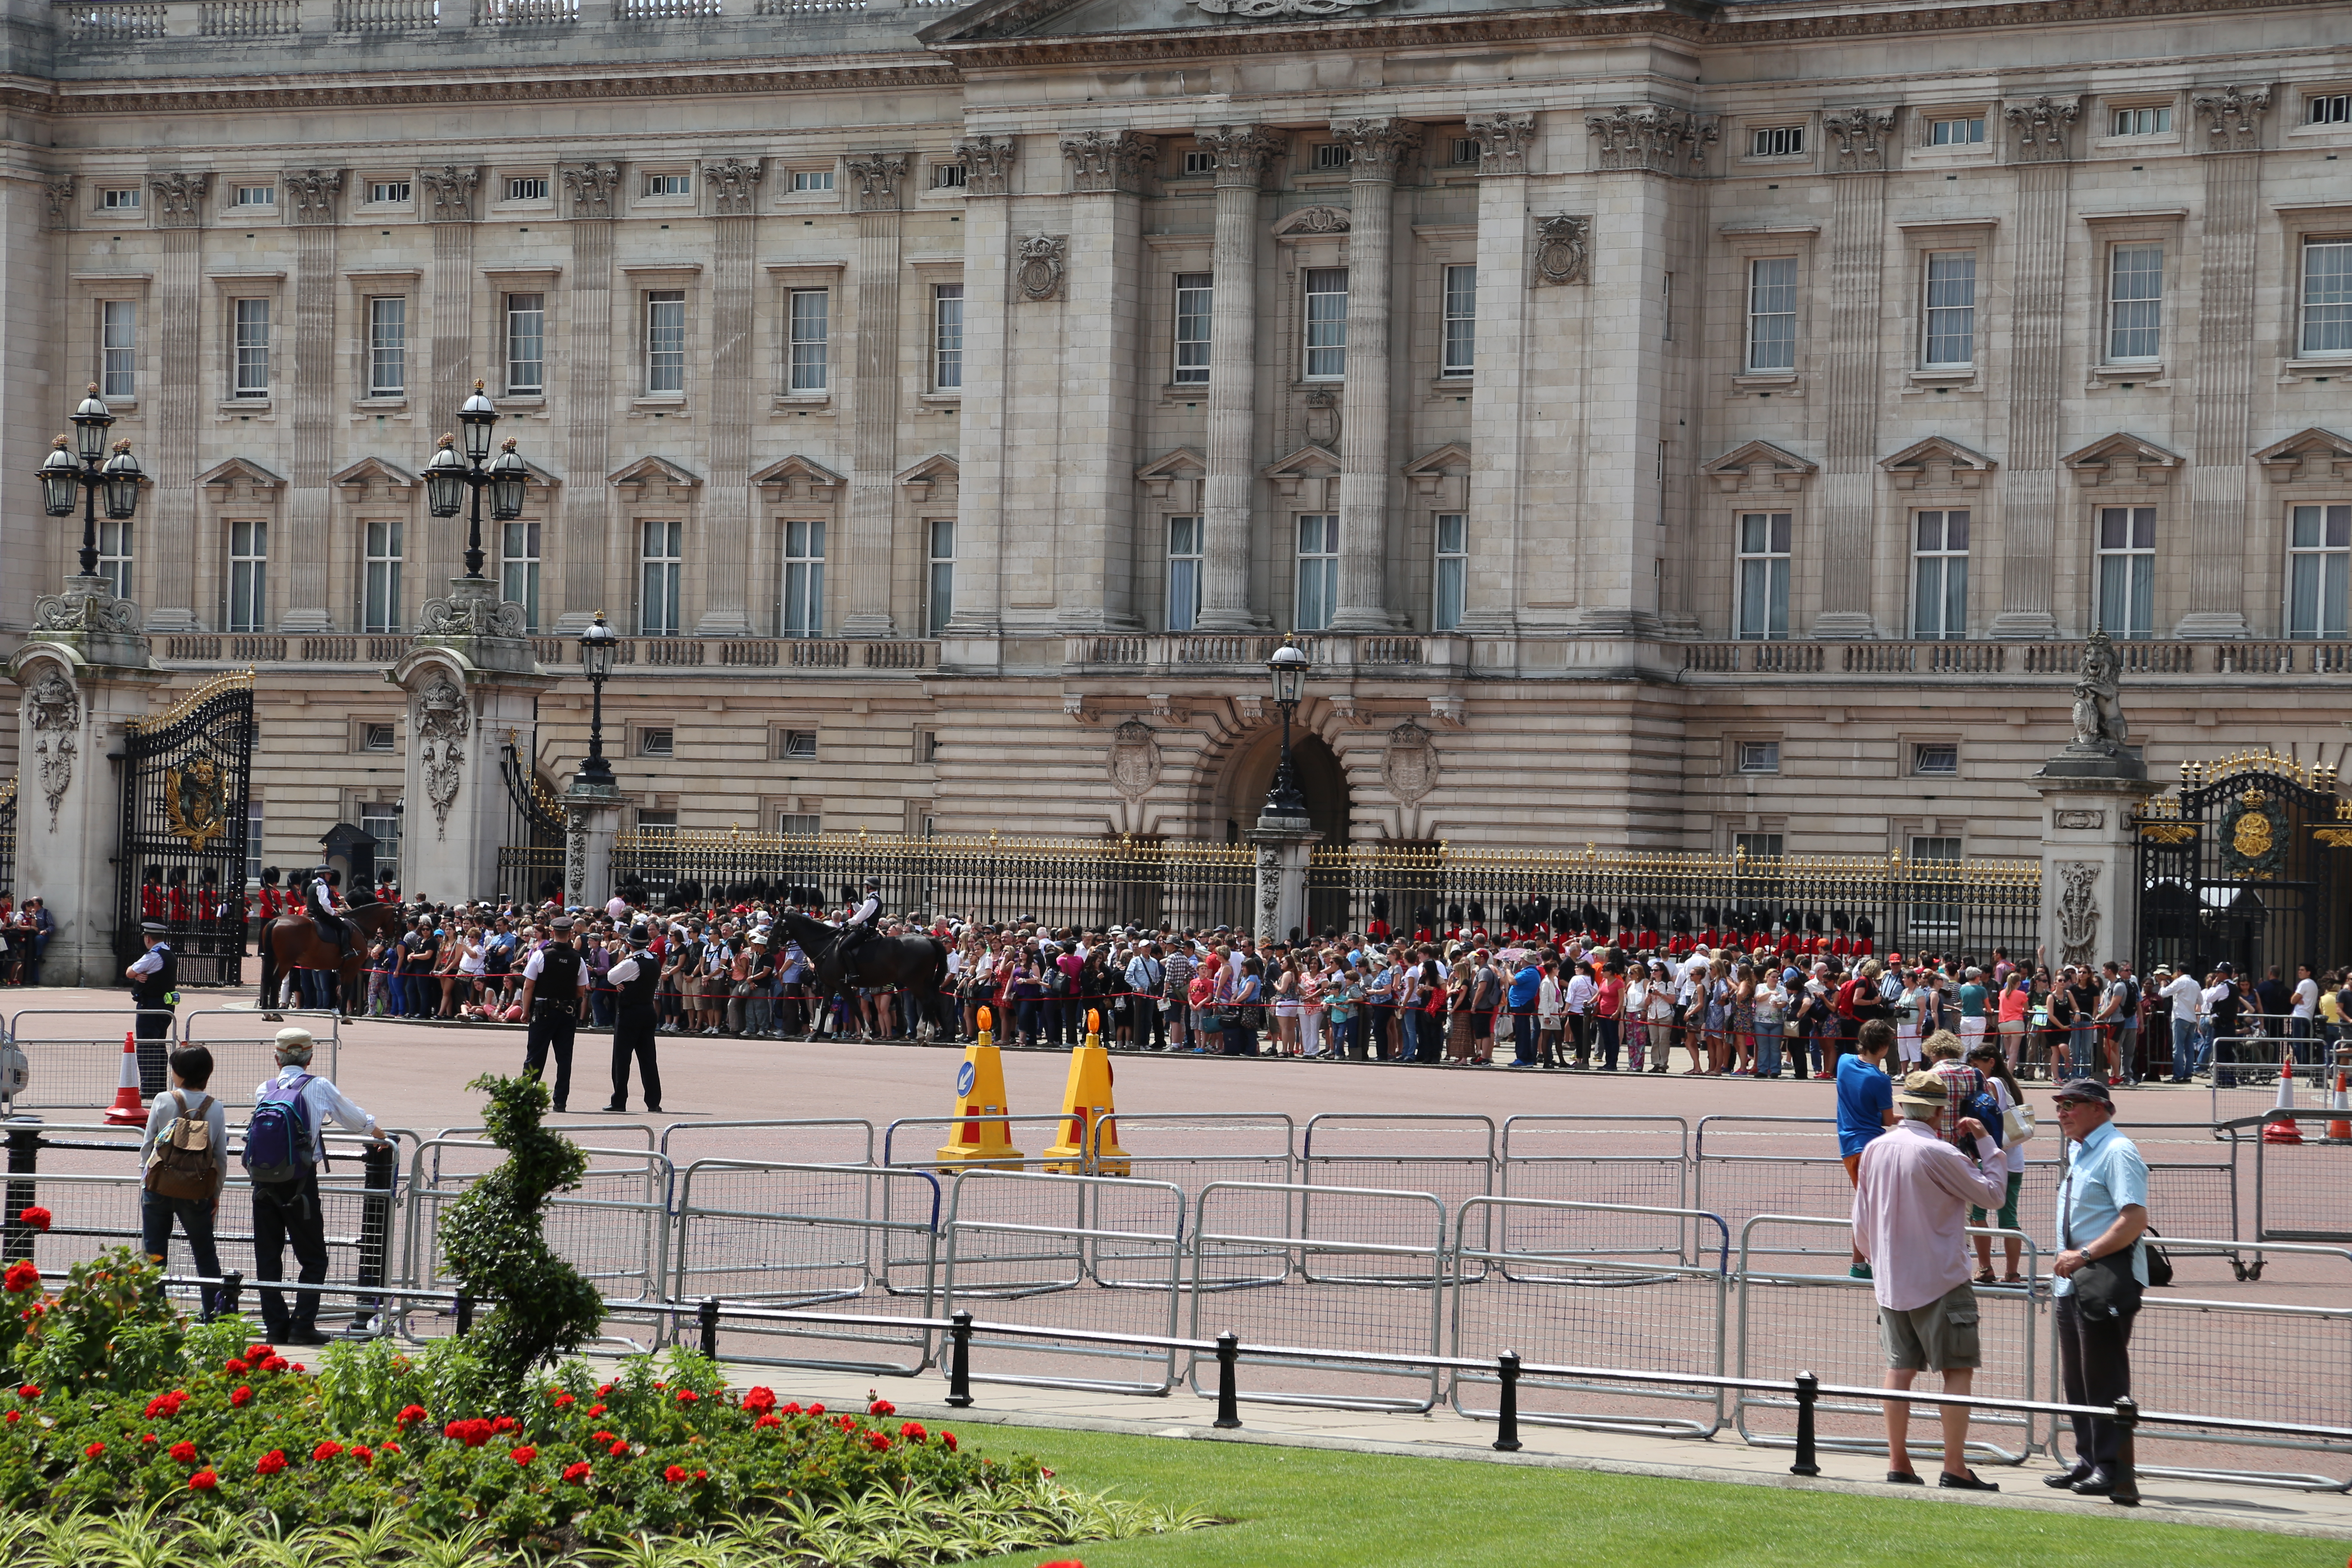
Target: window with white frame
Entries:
(527, 188)
(1763, 576)
(1197, 161)
(660, 823)
(1757, 756)
(1195, 302)
(119, 198)
(383, 191)
(2152, 122)
(387, 345)
(1757, 845)
(1461, 320)
(1318, 572)
(947, 337)
(249, 354)
(1776, 142)
(518, 568)
(812, 182)
(2127, 571)
(664, 341)
(380, 820)
(379, 578)
(2134, 304)
(1960, 131)
(1932, 759)
(1183, 574)
(797, 746)
(947, 176)
(2327, 108)
(669, 185)
(248, 577)
(800, 823)
(657, 741)
(1326, 323)
(661, 573)
(253, 817)
(2327, 298)
(379, 738)
(118, 348)
(1941, 848)
(1333, 155)
(1450, 578)
(254, 197)
(2319, 547)
(939, 580)
(527, 344)
(1465, 151)
(1772, 313)
(809, 342)
(1939, 574)
(1948, 323)
(803, 615)
(114, 553)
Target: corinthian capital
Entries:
(2233, 117)
(1376, 147)
(314, 192)
(1650, 136)
(591, 187)
(1242, 153)
(2042, 127)
(1108, 160)
(452, 186)
(179, 198)
(1504, 138)
(733, 185)
(1862, 136)
(987, 165)
(879, 176)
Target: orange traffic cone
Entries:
(128, 1110)
(2281, 1129)
(2340, 1125)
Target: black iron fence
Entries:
(8, 839)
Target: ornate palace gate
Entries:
(2245, 864)
(185, 778)
(530, 861)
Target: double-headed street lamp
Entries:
(449, 477)
(1288, 670)
(82, 464)
(597, 643)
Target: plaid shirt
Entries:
(1962, 1084)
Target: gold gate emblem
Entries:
(2253, 837)
(195, 802)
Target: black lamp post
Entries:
(596, 647)
(449, 477)
(1288, 669)
(76, 465)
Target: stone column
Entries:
(1498, 457)
(85, 673)
(1242, 153)
(981, 427)
(2029, 479)
(591, 827)
(1103, 260)
(468, 678)
(732, 185)
(311, 196)
(1849, 469)
(585, 533)
(874, 180)
(451, 191)
(2223, 376)
(1379, 146)
(170, 523)
(1284, 844)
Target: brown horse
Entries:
(290, 942)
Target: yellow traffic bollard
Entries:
(1088, 1112)
(980, 1091)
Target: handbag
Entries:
(2016, 1125)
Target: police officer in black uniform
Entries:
(636, 977)
(154, 978)
(551, 1001)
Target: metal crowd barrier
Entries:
(2299, 1188)
(842, 1140)
(2246, 1071)
(245, 1046)
(1193, 1150)
(914, 1141)
(74, 1060)
(1742, 1166)
(1449, 1155)
(1544, 1157)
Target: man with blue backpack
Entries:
(285, 1144)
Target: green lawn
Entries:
(1297, 1507)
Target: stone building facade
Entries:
(1677, 425)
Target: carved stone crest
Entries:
(1314, 220)
(879, 178)
(52, 709)
(1862, 136)
(987, 165)
(60, 194)
(472, 616)
(591, 187)
(453, 192)
(1269, 891)
(575, 855)
(1135, 763)
(1323, 416)
(734, 187)
(1563, 250)
(1410, 768)
(314, 192)
(444, 719)
(2042, 127)
(2078, 912)
(88, 605)
(2233, 117)
(1040, 272)
(2078, 819)
(1260, 10)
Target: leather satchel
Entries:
(2104, 1289)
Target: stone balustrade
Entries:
(101, 29)
(1971, 660)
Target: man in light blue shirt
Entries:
(2102, 1214)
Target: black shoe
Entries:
(1903, 1479)
(2098, 1483)
(620, 1109)
(2061, 1481)
(302, 1335)
(561, 1110)
(654, 1111)
(1970, 1482)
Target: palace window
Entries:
(527, 188)
(1776, 142)
(797, 746)
(938, 581)
(1183, 574)
(119, 198)
(387, 346)
(669, 185)
(1757, 845)
(2327, 298)
(1933, 758)
(248, 577)
(811, 182)
(518, 568)
(2127, 571)
(799, 823)
(1333, 155)
(2319, 538)
(1763, 576)
(661, 573)
(379, 579)
(256, 196)
(810, 345)
(114, 553)
(1772, 313)
(1964, 131)
(1326, 323)
(664, 341)
(1319, 570)
(2328, 109)
(1195, 300)
(527, 344)
(2134, 304)
(947, 337)
(1450, 578)
(250, 369)
(2142, 123)
(1461, 320)
(1949, 321)
(118, 348)
(382, 191)
(803, 607)
(1940, 600)
(660, 742)
(1758, 757)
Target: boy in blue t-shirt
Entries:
(1865, 1105)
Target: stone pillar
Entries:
(1379, 146)
(591, 827)
(1283, 844)
(981, 424)
(586, 533)
(311, 196)
(1242, 153)
(2224, 377)
(170, 523)
(875, 179)
(469, 679)
(85, 673)
(1100, 266)
(451, 190)
(1498, 457)
(1848, 467)
(2030, 476)
(2090, 895)
(732, 187)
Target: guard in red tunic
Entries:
(1864, 934)
(176, 908)
(1839, 947)
(1379, 930)
(151, 894)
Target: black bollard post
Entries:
(1229, 1355)
(707, 1317)
(1507, 1427)
(23, 1159)
(960, 1361)
(379, 1172)
(465, 1314)
(1808, 1390)
(2126, 1475)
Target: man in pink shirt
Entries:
(1911, 1200)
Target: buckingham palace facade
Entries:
(1680, 426)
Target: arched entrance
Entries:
(1321, 779)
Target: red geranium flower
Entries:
(182, 1452)
(239, 1397)
(878, 1441)
(949, 1438)
(816, 1409)
(330, 1450)
(237, 1367)
(28, 1390)
(912, 1431)
(391, 1448)
(148, 1441)
(600, 1437)
(846, 1423)
(93, 1451)
(563, 1399)
(524, 1455)
(688, 1397)
(881, 1407)
(619, 1449)
(473, 1433)
(675, 1474)
(366, 1459)
(203, 1481)
(793, 1408)
(35, 1217)
(22, 1276)
(577, 1474)
(768, 1420)
(14, 1416)
(603, 1389)
(593, 1410)
(702, 1474)
(503, 1425)
(409, 1416)
(272, 1462)
(758, 1400)
(166, 1405)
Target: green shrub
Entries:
(110, 1327)
(541, 1307)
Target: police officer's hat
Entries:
(154, 928)
(872, 884)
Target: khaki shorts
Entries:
(1938, 1337)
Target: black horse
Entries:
(915, 963)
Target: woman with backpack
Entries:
(1987, 1058)
(185, 1159)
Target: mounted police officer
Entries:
(858, 929)
(636, 977)
(155, 979)
(551, 989)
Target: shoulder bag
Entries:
(2104, 1287)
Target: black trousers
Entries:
(634, 1037)
(2095, 1363)
(281, 1215)
(551, 1028)
(155, 1032)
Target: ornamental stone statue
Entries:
(2102, 744)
